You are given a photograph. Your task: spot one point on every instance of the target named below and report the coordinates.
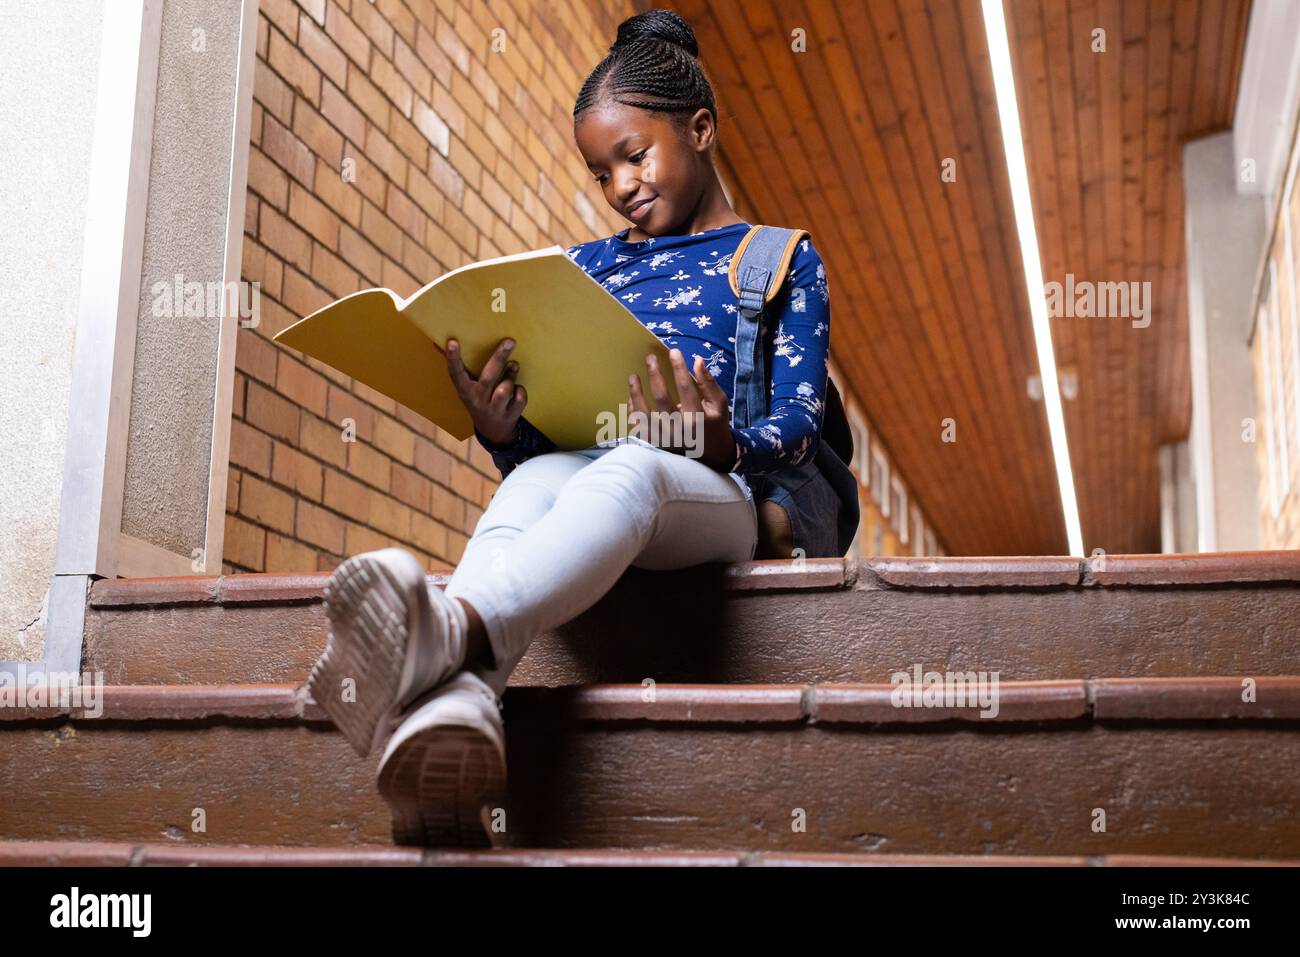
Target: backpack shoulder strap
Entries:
(760, 264)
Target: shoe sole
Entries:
(441, 786)
(368, 638)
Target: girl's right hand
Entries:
(494, 400)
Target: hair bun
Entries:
(658, 24)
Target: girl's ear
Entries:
(701, 130)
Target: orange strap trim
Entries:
(782, 269)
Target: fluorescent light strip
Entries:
(995, 29)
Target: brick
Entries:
(428, 535)
(381, 230)
(245, 544)
(302, 296)
(409, 66)
(347, 496)
(432, 55)
(286, 555)
(367, 97)
(319, 527)
(263, 36)
(367, 178)
(347, 35)
(255, 356)
(381, 151)
(338, 194)
(451, 43)
(362, 539)
(295, 68)
(396, 13)
(396, 278)
(288, 151)
(359, 254)
(285, 239)
(369, 465)
(297, 382)
(456, 543)
(380, 401)
(237, 398)
(408, 140)
(273, 317)
(339, 110)
(446, 107)
(465, 482)
(391, 517)
(334, 274)
(411, 487)
(263, 503)
(299, 472)
(431, 126)
(395, 439)
(321, 51)
(372, 22)
(406, 214)
(232, 490)
(315, 9)
(318, 134)
(273, 414)
(323, 440)
(345, 406)
(314, 217)
(432, 461)
(283, 14)
(262, 267)
(385, 76)
(447, 507)
(275, 95)
(249, 448)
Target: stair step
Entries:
(1174, 762)
(103, 854)
(820, 620)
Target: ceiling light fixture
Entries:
(995, 29)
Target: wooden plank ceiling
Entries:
(930, 316)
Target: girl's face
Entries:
(651, 172)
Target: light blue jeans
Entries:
(563, 527)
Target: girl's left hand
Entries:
(699, 426)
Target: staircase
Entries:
(725, 715)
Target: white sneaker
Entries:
(391, 638)
(443, 773)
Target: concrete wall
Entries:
(165, 499)
(49, 64)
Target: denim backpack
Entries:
(821, 495)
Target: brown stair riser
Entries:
(1205, 789)
(849, 634)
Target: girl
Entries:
(564, 526)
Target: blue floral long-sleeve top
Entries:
(678, 287)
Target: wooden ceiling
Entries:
(930, 319)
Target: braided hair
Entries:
(652, 65)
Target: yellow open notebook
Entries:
(575, 343)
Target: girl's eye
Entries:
(637, 156)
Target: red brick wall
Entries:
(461, 152)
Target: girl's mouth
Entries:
(639, 211)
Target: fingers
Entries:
(496, 364)
(690, 399)
(714, 394)
(658, 388)
(460, 376)
(636, 403)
